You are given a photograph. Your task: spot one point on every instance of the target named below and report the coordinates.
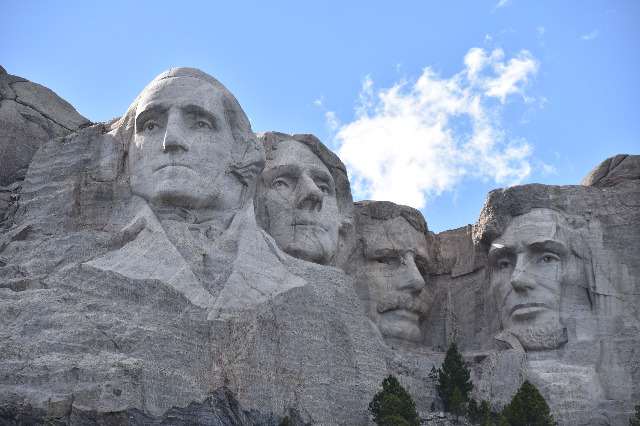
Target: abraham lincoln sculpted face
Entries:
(535, 274)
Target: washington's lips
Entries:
(528, 310)
(309, 223)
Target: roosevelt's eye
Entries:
(549, 258)
(392, 261)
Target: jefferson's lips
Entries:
(172, 165)
(309, 223)
(528, 310)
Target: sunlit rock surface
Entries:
(129, 295)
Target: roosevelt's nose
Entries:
(175, 138)
(412, 279)
(309, 195)
(520, 278)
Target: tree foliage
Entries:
(453, 374)
(457, 403)
(486, 419)
(528, 408)
(473, 411)
(285, 422)
(393, 402)
(636, 420)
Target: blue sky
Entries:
(431, 104)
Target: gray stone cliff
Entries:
(128, 296)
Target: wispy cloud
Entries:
(501, 3)
(417, 139)
(319, 101)
(590, 36)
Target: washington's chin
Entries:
(401, 324)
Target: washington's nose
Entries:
(520, 278)
(412, 278)
(174, 137)
(309, 195)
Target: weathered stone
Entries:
(136, 286)
(30, 115)
(304, 199)
(130, 289)
(614, 170)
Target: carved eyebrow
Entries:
(151, 110)
(380, 253)
(284, 169)
(198, 110)
(548, 245)
(499, 251)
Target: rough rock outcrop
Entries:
(30, 115)
(136, 286)
(614, 170)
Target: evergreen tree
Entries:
(453, 374)
(485, 414)
(285, 422)
(636, 420)
(474, 411)
(528, 408)
(456, 403)
(382, 407)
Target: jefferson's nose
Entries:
(309, 195)
(174, 137)
(520, 278)
(412, 278)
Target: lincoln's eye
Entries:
(503, 264)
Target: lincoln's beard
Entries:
(538, 337)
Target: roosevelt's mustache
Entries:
(393, 301)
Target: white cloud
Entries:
(591, 36)
(319, 101)
(541, 30)
(501, 4)
(417, 139)
(331, 121)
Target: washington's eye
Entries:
(148, 126)
(201, 124)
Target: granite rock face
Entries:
(30, 115)
(613, 171)
(172, 267)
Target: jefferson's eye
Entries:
(549, 258)
(279, 183)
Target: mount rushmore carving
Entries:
(172, 264)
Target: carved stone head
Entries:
(191, 145)
(303, 199)
(390, 265)
(537, 274)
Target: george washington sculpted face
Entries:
(181, 150)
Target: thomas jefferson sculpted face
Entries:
(181, 151)
(300, 198)
(531, 268)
